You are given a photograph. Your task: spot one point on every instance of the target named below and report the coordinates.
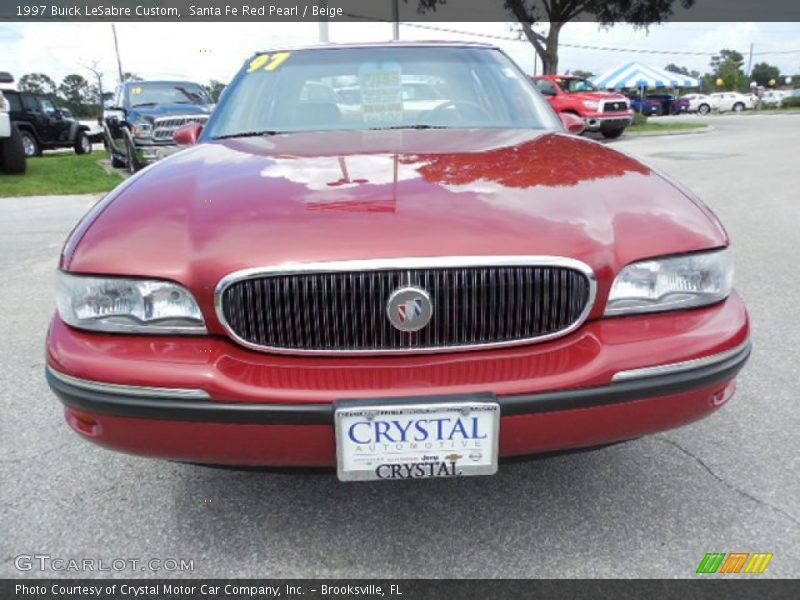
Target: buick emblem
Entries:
(409, 308)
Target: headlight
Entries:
(591, 104)
(142, 130)
(672, 283)
(127, 305)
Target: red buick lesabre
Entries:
(394, 259)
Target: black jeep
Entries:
(143, 115)
(42, 126)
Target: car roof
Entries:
(386, 44)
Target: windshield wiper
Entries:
(417, 126)
(144, 104)
(248, 134)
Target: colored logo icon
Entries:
(734, 562)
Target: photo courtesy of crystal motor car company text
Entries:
(385, 259)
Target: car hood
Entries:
(599, 96)
(166, 110)
(227, 205)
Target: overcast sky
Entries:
(203, 51)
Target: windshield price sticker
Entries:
(381, 92)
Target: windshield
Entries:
(577, 85)
(378, 88)
(151, 94)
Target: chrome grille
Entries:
(164, 127)
(616, 106)
(334, 309)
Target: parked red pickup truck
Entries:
(606, 112)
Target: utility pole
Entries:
(324, 34)
(116, 49)
(395, 20)
(750, 61)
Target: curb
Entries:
(105, 163)
(699, 130)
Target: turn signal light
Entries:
(82, 423)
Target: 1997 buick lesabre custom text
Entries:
(395, 260)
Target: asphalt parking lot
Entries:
(649, 508)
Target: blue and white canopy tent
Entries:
(635, 75)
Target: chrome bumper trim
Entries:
(678, 367)
(129, 390)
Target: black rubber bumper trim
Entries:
(322, 414)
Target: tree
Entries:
(126, 76)
(37, 83)
(727, 66)
(214, 89)
(763, 73)
(641, 14)
(673, 68)
(74, 92)
(98, 88)
(583, 74)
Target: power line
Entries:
(567, 45)
(590, 47)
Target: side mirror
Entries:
(572, 123)
(188, 134)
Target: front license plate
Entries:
(408, 439)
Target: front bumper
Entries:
(597, 122)
(208, 400)
(150, 153)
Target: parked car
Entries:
(773, 98)
(670, 104)
(94, 129)
(42, 126)
(646, 106)
(12, 153)
(701, 103)
(733, 101)
(481, 284)
(607, 112)
(679, 106)
(143, 115)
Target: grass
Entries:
(650, 127)
(56, 174)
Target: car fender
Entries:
(27, 126)
(74, 128)
(126, 133)
(110, 138)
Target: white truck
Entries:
(12, 153)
